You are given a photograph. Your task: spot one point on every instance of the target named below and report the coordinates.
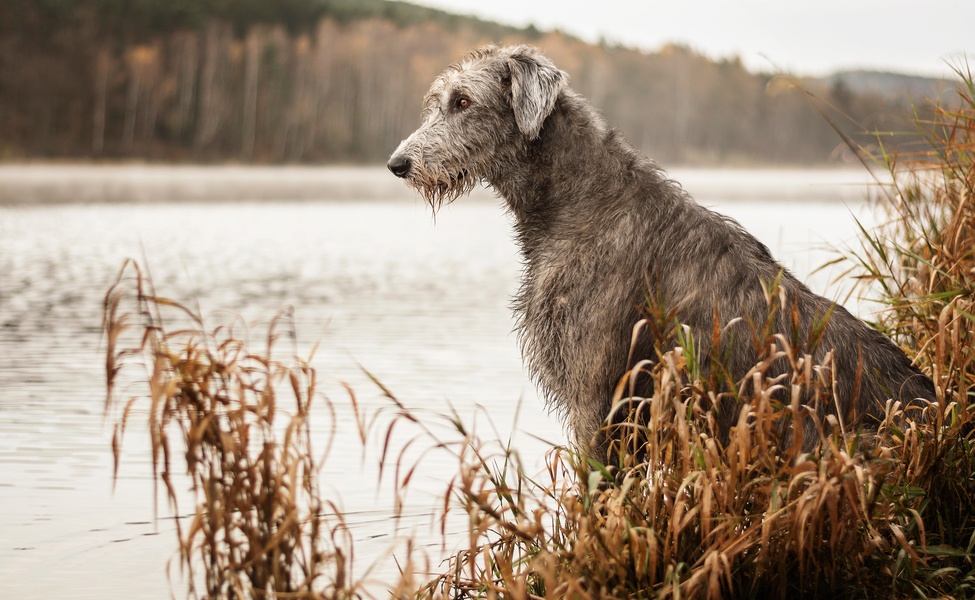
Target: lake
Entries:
(373, 279)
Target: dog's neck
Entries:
(546, 184)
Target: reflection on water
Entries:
(372, 279)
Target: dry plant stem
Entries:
(260, 527)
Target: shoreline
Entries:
(141, 183)
(41, 184)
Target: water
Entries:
(373, 280)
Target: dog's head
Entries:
(489, 104)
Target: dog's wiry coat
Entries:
(602, 228)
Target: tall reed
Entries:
(236, 423)
(681, 514)
(922, 262)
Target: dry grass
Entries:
(687, 516)
(679, 514)
(237, 423)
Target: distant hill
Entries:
(890, 85)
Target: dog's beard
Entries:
(443, 186)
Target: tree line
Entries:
(341, 81)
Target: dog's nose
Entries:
(399, 165)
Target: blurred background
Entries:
(339, 81)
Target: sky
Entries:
(801, 37)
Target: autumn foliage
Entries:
(339, 81)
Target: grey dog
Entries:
(602, 229)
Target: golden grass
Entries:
(686, 516)
(236, 423)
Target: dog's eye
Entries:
(461, 103)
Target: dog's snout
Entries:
(399, 165)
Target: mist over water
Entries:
(373, 280)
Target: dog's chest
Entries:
(573, 296)
(575, 314)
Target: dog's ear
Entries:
(535, 86)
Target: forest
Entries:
(340, 81)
